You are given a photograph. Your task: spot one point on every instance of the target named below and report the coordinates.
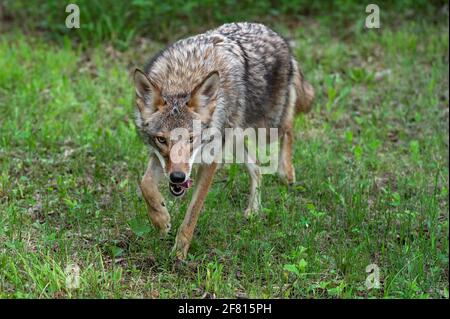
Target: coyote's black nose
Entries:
(177, 177)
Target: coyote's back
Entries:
(269, 68)
(256, 69)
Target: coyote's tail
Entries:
(304, 91)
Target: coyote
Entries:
(240, 75)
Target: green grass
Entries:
(371, 160)
(119, 22)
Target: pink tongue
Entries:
(187, 183)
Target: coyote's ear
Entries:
(148, 93)
(204, 94)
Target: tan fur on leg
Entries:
(155, 202)
(204, 179)
(304, 91)
(254, 200)
(285, 168)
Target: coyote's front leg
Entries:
(185, 232)
(157, 210)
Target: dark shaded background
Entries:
(119, 22)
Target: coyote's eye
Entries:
(161, 140)
(191, 139)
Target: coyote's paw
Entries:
(165, 229)
(161, 220)
(250, 212)
(288, 179)
(181, 247)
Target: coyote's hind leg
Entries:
(254, 200)
(285, 168)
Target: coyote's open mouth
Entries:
(179, 189)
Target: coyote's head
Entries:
(166, 120)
